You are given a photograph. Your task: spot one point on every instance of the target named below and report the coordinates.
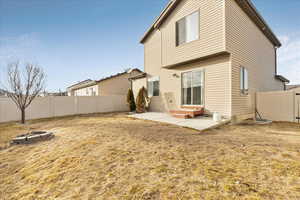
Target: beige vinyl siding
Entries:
(137, 84)
(153, 67)
(160, 50)
(224, 26)
(212, 34)
(86, 91)
(118, 85)
(217, 95)
(152, 51)
(249, 48)
(218, 87)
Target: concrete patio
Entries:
(198, 123)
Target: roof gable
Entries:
(246, 6)
(120, 74)
(87, 81)
(292, 87)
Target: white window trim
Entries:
(199, 27)
(153, 79)
(243, 89)
(202, 90)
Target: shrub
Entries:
(130, 100)
(141, 101)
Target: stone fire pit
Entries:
(32, 137)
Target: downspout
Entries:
(161, 49)
(276, 65)
(275, 48)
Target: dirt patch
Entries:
(111, 156)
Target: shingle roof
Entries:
(290, 87)
(90, 82)
(2, 92)
(119, 74)
(139, 76)
(81, 82)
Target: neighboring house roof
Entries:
(282, 78)
(54, 94)
(81, 82)
(139, 76)
(119, 74)
(246, 5)
(90, 82)
(2, 92)
(291, 87)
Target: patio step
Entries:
(181, 116)
(192, 107)
(190, 113)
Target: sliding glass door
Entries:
(192, 88)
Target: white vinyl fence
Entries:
(45, 107)
(279, 106)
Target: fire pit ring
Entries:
(32, 137)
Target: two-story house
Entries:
(213, 54)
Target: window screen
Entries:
(187, 29)
(244, 80)
(153, 87)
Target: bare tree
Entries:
(23, 86)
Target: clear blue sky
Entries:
(78, 39)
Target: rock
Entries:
(32, 137)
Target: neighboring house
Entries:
(84, 88)
(214, 54)
(3, 93)
(295, 88)
(117, 84)
(45, 94)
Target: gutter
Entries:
(282, 78)
(222, 53)
(152, 27)
(83, 86)
(143, 75)
(264, 23)
(276, 65)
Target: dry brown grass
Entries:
(111, 156)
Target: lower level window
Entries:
(192, 88)
(244, 85)
(92, 92)
(153, 86)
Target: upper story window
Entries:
(187, 29)
(153, 86)
(244, 80)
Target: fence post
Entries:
(297, 107)
(1, 111)
(76, 105)
(255, 104)
(52, 108)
